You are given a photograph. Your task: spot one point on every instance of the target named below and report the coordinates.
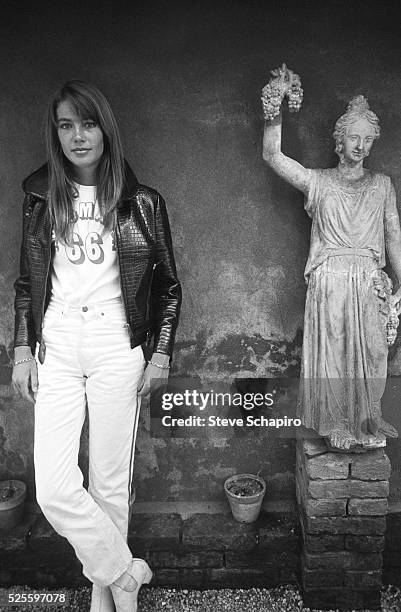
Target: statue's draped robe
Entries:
(344, 360)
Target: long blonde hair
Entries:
(88, 103)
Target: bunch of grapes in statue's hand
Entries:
(284, 83)
(272, 98)
(392, 320)
(392, 327)
(295, 95)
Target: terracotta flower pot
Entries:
(12, 497)
(245, 493)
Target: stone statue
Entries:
(351, 315)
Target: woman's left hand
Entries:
(154, 377)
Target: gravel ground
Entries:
(282, 599)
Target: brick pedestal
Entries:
(342, 499)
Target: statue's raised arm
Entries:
(284, 83)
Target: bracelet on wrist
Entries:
(158, 365)
(18, 361)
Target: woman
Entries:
(97, 280)
(349, 303)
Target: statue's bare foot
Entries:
(341, 439)
(385, 428)
(369, 441)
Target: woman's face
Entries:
(358, 140)
(81, 141)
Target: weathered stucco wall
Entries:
(184, 81)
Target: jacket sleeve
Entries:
(24, 332)
(165, 294)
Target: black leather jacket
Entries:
(150, 289)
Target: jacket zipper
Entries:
(45, 290)
(149, 332)
(118, 242)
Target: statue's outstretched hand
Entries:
(283, 83)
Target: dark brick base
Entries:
(205, 550)
(342, 500)
(212, 551)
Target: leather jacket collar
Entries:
(37, 183)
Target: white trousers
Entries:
(88, 361)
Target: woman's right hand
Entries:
(25, 374)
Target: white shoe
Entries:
(102, 599)
(127, 601)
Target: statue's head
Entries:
(358, 111)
